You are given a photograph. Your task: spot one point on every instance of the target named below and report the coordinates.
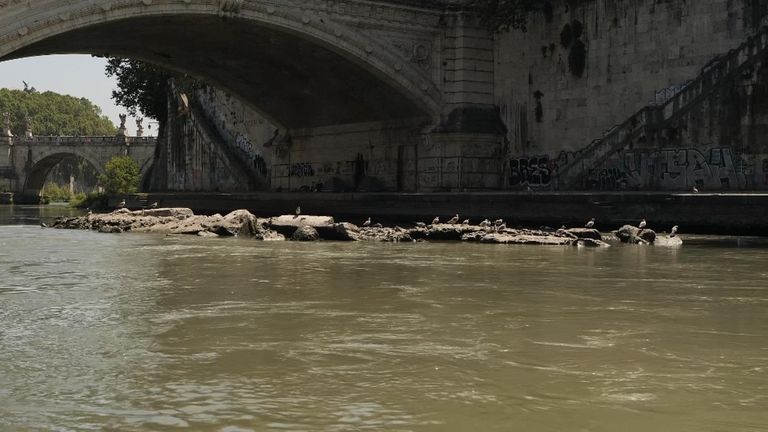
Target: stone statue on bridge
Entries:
(139, 127)
(6, 127)
(121, 129)
(27, 127)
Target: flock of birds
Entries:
(499, 224)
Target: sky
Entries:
(75, 75)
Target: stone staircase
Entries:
(668, 106)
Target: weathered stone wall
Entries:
(192, 155)
(248, 134)
(372, 157)
(719, 144)
(590, 66)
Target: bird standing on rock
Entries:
(498, 222)
(643, 224)
(454, 220)
(153, 205)
(367, 222)
(485, 223)
(695, 190)
(436, 220)
(673, 232)
(122, 204)
(466, 222)
(591, 223)
(298, 211)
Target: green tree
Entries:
(141, 87)
(51, 113)
(121, 176)
(144, 87)
(502, 15)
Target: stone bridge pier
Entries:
(405, 86)
(25, 162)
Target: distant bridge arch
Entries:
(303, 63)
(31, 159)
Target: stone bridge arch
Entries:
(33, 158)
(303, 63)
(38, 171)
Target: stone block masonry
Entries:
(635, 53)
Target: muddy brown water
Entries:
(146, 332)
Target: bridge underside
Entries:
(294, 81)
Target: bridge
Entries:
(302, 63)
(310, 67)
(26, 161)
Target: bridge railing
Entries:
(85, 140)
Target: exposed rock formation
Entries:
(634, 235)
(242, 223)
(305, 233)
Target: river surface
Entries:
(146, 332)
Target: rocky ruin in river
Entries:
(242, 223)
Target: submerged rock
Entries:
(305, 233)
(590, 242)
(288, 224)
(385, 234)
(634, 235)
(526, 239)
(668, 241)
(449, 231)
(343, 231)
(585, 233)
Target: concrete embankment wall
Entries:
(703, 213)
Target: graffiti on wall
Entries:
(303, 169)
(669, 169)
(532, 171)
(244, 144)
(536, 171)
(716, 168)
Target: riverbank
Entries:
(727, 214)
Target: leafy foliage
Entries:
(502, 15)
(55, 193)
(121, 176)
(142, 87)
(51, 113)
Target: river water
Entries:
(146, 332)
